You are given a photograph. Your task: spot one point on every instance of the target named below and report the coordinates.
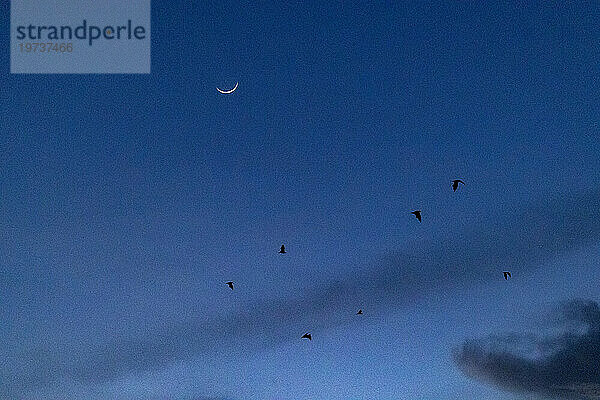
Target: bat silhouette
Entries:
(455, 184)
(417, 214)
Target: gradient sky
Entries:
(126, 202)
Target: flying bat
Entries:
(455, 184)
(417, 214)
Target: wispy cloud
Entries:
(521, 240)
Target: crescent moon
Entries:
(228, 91)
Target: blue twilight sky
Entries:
(126, 202)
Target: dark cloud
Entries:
(521, 240)
(568, 365)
